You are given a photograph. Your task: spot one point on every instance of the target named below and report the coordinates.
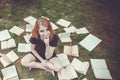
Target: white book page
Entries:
(9, 72)
(102, 74)
(21, 47)
(85, 67)
(12, 56)
(75, 51)
(4, 35)
(54, 27)
(27, 38)
(4, 62)
(63, 22)
(98, 63)
(4, 45)
(90, 42)
(11, 43)
(65, 37)
(70, 29)
(67, 50)
(16, 30)
(29, 28)
(28, 47)
(77, 64)
(64, 59)
(82, 31)
(31, 20)
(68, 73)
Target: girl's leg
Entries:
(30, 61)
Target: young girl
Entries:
(43, 43)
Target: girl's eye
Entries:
(41, 31)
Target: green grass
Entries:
(82, 13)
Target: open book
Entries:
(71, 50)
(9, 58)
(67, 73)
(10, 73)
(28, 79)
(79, 66)
(90, 42)
(63, 59)
(70, 29)
(65, 37)
(63, 22)
(82, 31)
(27, 37)
(23, 47)
(17, 30)
(54, 27)
(100, 69)
(4, 35)
(8, 44)
(31, 20)
(29, 28)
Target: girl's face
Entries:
(44, 32)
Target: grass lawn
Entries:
(92, 14)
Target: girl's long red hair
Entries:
(45, 22)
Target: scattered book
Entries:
(9, 58)
(17, 30)
(8, 44)
(23, 47)
(82, 31)
(4, 35)
(28, 79)
(63, 22)
(54, 27)
(10, 73)
(67, 73)
(27, 37)
(70, 29)
(31, 20)
(79, 66)
(65, 37)
(90, 42)
(100, 69)
(29, 28)
(71, 50)
(63, 59)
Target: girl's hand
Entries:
(46, 40)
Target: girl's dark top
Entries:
(40, 46)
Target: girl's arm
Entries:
(49, 51)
